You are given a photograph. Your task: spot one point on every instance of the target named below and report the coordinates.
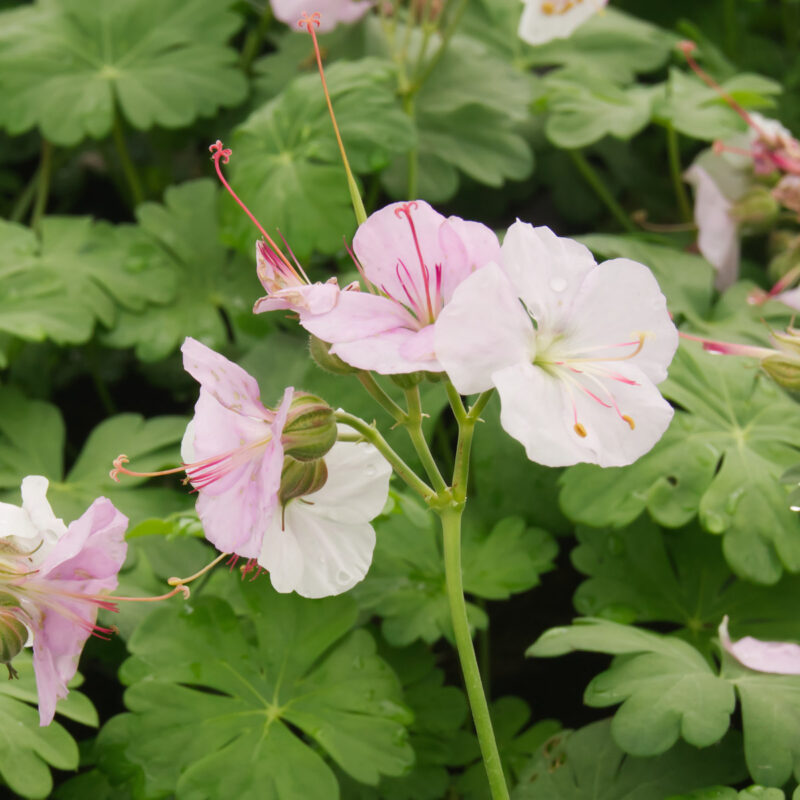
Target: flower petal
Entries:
(540, 409)
(332, 12)
(281, 555)
(35, 503)
(482, 329)
(546, 271)
(538, 27)
(620, 301)
(384, 353)
(232, 386)
(778, 658)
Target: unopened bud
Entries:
(784, 369)
(787, 192)
(407, 380)
(13, 633)
(321, 355)
(299, 478)
(756, 208)
(310, 429)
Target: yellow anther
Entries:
(580, 430)
(629, 420)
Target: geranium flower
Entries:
(543, 20)
(331, 12)
(321, 544)
(55, 591)
(574, 349)
(778, 658)
(414, 258)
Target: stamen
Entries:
(359, 267)
(580, 430)
(181, 582)
(630, 421)
(123, 459)
(184, 590)
(220, 153)
(294, 257)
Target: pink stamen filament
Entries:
(730, 348)
(405, 210)
(370, 287)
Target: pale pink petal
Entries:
(383, 354)
(778, 658)
(232, 386)
(718, 234)
(419, 346)
(537, 26)
(484, 328)
(386, 240)
(546, 270)
(790, 298)
(358, 315)
(618, 302)
(331, 12)
(467, 246)
(541, 409)
(85, 560)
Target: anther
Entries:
(629, 420)
(580, 430)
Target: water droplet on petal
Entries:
(558, 284)
(343, 577)
(370, 470)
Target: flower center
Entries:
(552, 7)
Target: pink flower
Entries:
(56, 590)
(232, 450)
(331, 12)
(414, 258)
(580, 384)
(778, 658)
(544, 20)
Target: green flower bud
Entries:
(407, 380)
(310, 429)
(756, 208)
(299, 478)
(321, 355)
(784, 369)
(13, 633)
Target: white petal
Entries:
(718, 235)
(281, 556)
(34, 501)
(357, 485)
(778, 658)
(546, 271)
(537, 27)
(540, 409)
(188, 455)
(14, 521)
(482, 329)
(620, 301)
(384, 353)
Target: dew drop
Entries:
(370, 470)
(343, 577)
(558, 284)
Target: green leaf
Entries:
(216, 701)
(726, 793)
(687, 280)
(27, 751)
(587, 765)
(32, 442)
(584, 107)
(699, 111)
(721, 458)
(642, 573)
(666, 687)
(286, 164)
(212, 278)
(71, 62)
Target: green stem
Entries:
(42, 184)
(371, 434)
(413, 425)
(731, 27)
(413, 153)
(451, 529)
(254, 38)
(593, 179)
(437, 56)
(125, 159)
(379, 395)
(676, 172)
(466, 430)
(23, 202)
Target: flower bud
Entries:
(299, 478)
(756, 208)
(407, 380)
(310, 429)
(784, 369)
(321, 355)
(13, 633)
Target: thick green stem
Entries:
(42, 184)
(254, 38)
(466, 430)
(125, 159)
(451, 529)
(413, 425)
(593, 179)
(676, 172)
(371, 434)
(379, 395)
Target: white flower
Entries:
(331, 12)
(579, 384)
(32, 528)
(543, 20)
(779, 658)
(322, 544)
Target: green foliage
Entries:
(721, 458)
(286, 163)
(406, 583)
(27, 752)
(66, 64)
(587, 765)
(32, 443)
(669, 690)
(241, 688)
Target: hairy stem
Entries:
(378, 394)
